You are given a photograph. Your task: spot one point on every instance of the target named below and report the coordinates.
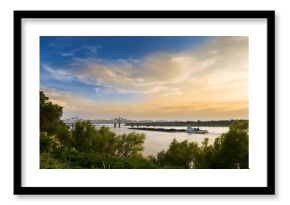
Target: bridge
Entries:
(116, 121)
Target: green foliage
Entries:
(63, 134)
(48, 161)
(84, 136)
(106, 161)
(47, 143)
(49, 114)
(85, 146)
(231, 149)
(181, 155)
(129, 145)
(51, 152)
(206, 154)
(106, 141)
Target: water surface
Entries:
(156, 141)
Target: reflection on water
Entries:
(158, 141)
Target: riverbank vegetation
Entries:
(85, 147)
(198, 123)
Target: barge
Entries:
(188, 130)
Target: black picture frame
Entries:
(268, 190)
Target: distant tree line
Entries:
(198, 123)
(84, 146)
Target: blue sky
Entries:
(56, 49)
(93, 76)
(65, 51)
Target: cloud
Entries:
(59, 74)
(67, 54)
(74, 105)
(90, 50)
(187, 84)
(222, 60)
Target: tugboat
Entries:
(189, 129)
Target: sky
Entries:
(146, 77)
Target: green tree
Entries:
(180, 154)
(49, 114)
(48, 143)
(130, 145)
(50, 122)
(84, 136)
(63, 134)
(206, 154)
(52, 152)
(106, 141)
(231, 149)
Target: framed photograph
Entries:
(144, 102)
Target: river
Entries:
(156, 141)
